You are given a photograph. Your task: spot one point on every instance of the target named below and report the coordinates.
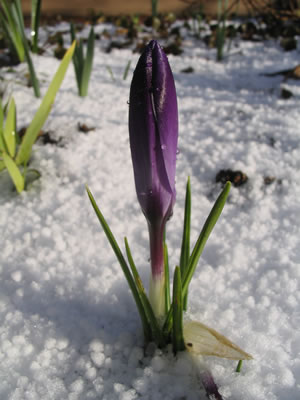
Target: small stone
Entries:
(237, 178)
(286, 94)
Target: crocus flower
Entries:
(153, 131)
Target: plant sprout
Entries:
(14, 157)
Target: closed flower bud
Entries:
(153, 131)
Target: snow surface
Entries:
(69, 328)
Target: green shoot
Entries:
(126, 70)
(35, 23)
(83, 65)
(167, 278)
(153, 324)
(239, 366)
(110, 72)
(221, 28)
(14, 172)
(124, 266)
(12, 156)
(14, 26)
(9, 131)
(7, 19)
(185, 244)
(42, 113)
(177, 339)
(199, 246)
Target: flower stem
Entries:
(157, 279)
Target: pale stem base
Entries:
(157, 296)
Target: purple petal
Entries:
(153, 130)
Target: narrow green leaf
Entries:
(10, 26)
(2, 145)
(122, 263)
(178, 342)
(204, 235)
(35, 23)
(41, 115)
(153, 324)
(167, 278)
(110, 72)
(198, 248)
(88, 63)
(185, 243)
(77, 58)
(14, 172)
(239, 366)
(2, 165)
(126, 70)
(9, 132)
(18, 16)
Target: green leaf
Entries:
(126, 70)
(177, 339)
(14, 172)
(204, 235)
(239, 366)
(2, 145)
(9, 132)
(77, 58)
(198, 248)
(41, 115)
(185, 243)
(122, 263)
(88, 63)
(35, 23)
(167, 278)
(18, 17)
(151, 319)
(11, 28)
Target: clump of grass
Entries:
(13, 26)
(83, 64)
(14, 152)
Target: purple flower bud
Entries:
(153, 131)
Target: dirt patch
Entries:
(118, 7)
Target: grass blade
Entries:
(11, 29)
(198, 248)
(9, 131)
(157, 334)
(122, 263)
(2, 145)
(185, 244)
(178, 342)
(110, 72)
(126, 70)
(88, 63)
(14, 172)
(18, 16)
(204, 235)
(167, 278)
(35, 23)
(41, 115)
(77, 58)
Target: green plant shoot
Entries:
(12, 157)
(35, 23)
(83, 64)
(42, 113)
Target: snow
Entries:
(69, 328)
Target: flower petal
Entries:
(202, 340)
